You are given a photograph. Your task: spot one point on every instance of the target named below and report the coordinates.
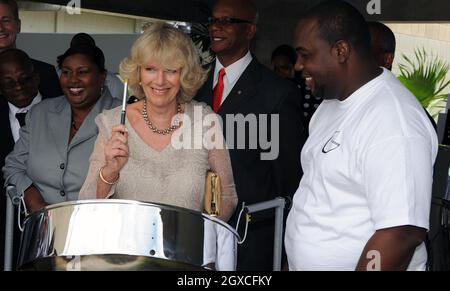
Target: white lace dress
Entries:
(174, 176)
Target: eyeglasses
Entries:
(225, 21)
(10, 84)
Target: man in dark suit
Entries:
(239, 84)
(382, 44)
(283, 61)
(9, 28)
(19, 84)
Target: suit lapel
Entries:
(58, 120)
(89, 129)
(244, 89)
(5, 127)
(205, 93)
(7, 144)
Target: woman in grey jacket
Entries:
(50, 160)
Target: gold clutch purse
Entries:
(213, 193)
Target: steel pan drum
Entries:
(125, 235)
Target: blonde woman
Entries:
(143, 160)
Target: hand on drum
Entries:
(116, 150)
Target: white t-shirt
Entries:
(368, 165)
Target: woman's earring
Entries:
(140, 84)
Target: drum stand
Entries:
(13, 198)
(279, 205)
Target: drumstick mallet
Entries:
(124, 103)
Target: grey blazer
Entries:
(42, 155)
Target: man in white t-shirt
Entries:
(364, 200)
(382, 43)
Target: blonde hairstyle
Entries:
(171, 48)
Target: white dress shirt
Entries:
(232, 73)
(15, 126)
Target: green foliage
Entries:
(200, 37)
(425, 78)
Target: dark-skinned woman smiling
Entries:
(50, 160)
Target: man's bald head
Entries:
(232, 29)
(243, 9)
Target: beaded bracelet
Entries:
(100, 174)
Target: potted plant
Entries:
(200, 36)
(425, 78)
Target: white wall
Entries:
(434, 37)
(47, 46)
(116, 32)
(47, 34)
(60, 21)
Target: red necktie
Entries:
(218, 91)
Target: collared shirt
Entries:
(15, 126)
(232, 73)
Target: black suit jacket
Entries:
(260, 91)
(6, 146)
(49, 81)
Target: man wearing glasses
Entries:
(239, 84)
(19, 92)
(9, 28)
